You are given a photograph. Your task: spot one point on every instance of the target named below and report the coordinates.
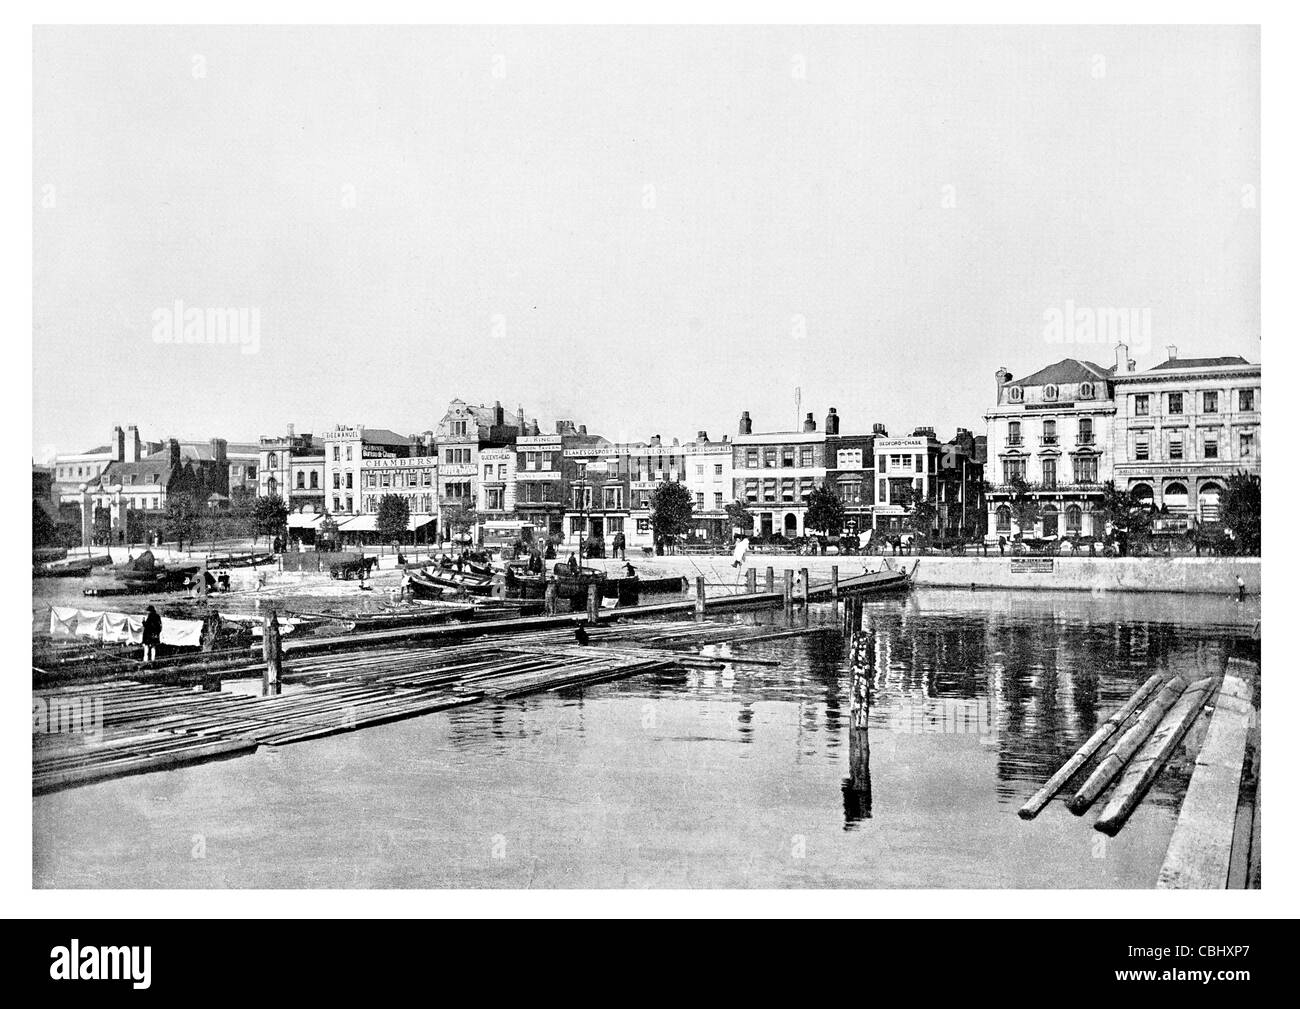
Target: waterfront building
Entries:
(243, 459)
(947, 475)
(594, 485)
(850, 472)
(292, 466)
(774, 472)
(1182, 428)
(539, 481)
(646, 465)
(1053, 429)
(708, 471)
(135, 493)
(72, 470)
(461, 434)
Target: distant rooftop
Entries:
(1066, 372)
(1199, 362)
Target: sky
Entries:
(645, 230)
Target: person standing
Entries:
(152, 634)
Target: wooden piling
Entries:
(769, 580)
(787, 591)
(271, 652)
(861, 659)
(835, 581)
(751, 581)
(1095, 742)
(552, 598)
(593, 602)
(699, 593)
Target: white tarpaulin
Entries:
(182, 633)
(120, 628)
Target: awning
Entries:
(419, 521)
(299, 521)
(359, 524)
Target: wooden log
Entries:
(1151, 759)
(1201, 849)
(274, 656)
(769, 580)
(1095, 742)
(1128, 745)
(751, 581)
(835, 581)
(699, 594)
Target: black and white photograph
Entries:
(640, 458)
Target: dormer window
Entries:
(1087, 390)
(1049, 392)
(1017, 394)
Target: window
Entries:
(337, 481)
(1142, 447)
(699, 469)
(1246, 400)
(1141, 405)
(1087, 390)
(1049, 392)
(1175, 445)
(1012, 468)
(348, 502)
(1175, 403)
(919, 461)
(717, 500)
(1211, 448)
(787, 491)
(314, 480)
(348, 453)
(1049, 432)
(336, 504)
(459, 428)
(881, 464)
(751, 490)
(806, 457)
(271, 461)
(1017, 393)
(699, 499)
(1085, 469)
(336, 453)
(717, 470)
(1073, 519)
(751, 458)
(1246, 445)
(301, 481)
(1085, 430)
(1209, 402)
(496, 498)
(1049, 472)
(1013, 433)
(769, 457)
(348, 482)
(613, 497)
(884, 489)
(1004, 519)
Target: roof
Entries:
(200, 451)
(98, 450)
(1066, 372)
(383, 436)
(1200, 362)
(152, 471)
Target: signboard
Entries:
(1032, 565)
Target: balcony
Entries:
(1086, 438)
(1014, 441)
(1051, 439)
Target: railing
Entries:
(1051, 439)
(1014, 439)
(1085, 438)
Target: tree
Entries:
(1024, 506)
(393, 517)
(268, 516)
(458, 516)
(181, 518)
(921, 519)
(670, 511)
(44, 531)
(1128, 517)
(825, 512)
(740, 517)
(327, 533)
(1242, 504)
(102, 525)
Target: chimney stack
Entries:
(746, 425)
(1121, 357)
(879, 431)
(117, 447)
(832, 422)
(655, 441)
(133, 453)
(701, 435)
(582, 429)
(498, 415)
(173, 452)
(1173, 352)
(809, 425)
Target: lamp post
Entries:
(582, 506)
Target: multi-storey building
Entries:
(708, 473)
(947, 475)
(72, 470)
(1182, 428)
(644, 466)
(773, 473)
(462, 433)
(135, 492)
(539, 481)
(1053, 430)
(850, 471)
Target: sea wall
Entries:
(1216, 575)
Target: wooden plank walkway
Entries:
(1200, 852)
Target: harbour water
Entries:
(730, 777)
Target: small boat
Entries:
(524, 584)
(424, 587)
(239, 560)
(464, 581)
(72, 567)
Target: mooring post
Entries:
(751, 581)
(699, 593)
(835, 581)
(552, 599)
(770, 581)
(787, 591)
(861, 659)
(593, 601)
(805, 588)
(271, 652)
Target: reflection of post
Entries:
(857, 789)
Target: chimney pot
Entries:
(1173, 352)
(809, 424)
(746, 424)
